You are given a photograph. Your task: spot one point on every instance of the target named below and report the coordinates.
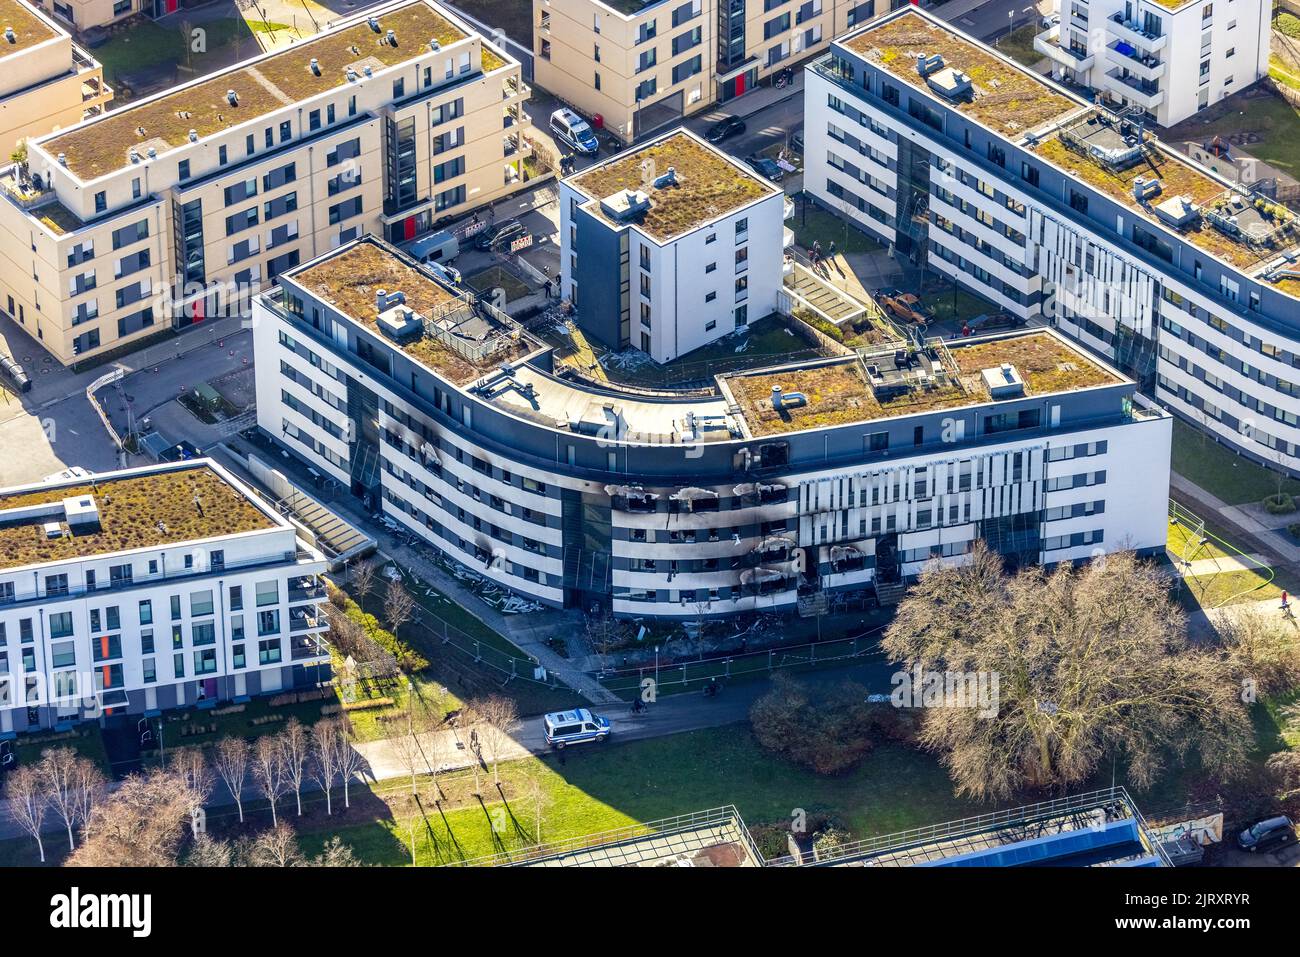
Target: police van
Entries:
(575, 727)
(574, 132)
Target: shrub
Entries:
(1288, 24)
(1280, 504)
(407, 658)
(829, 735)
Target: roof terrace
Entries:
(910, 381)
(260, 86)
(444, 330)
(1135, 169)
(114, 514)
(1003, 96)
(29, 29)
(705, 185)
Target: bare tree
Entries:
(335, 854)
(192, 766)
(277, 846)
(603, 632)
(325, 736)
(73, 785)
(365, 576)
(399, 606)
(207, 851)
(499, 717)
(410, 749)
(539, 797)
(350, 762)
(1092, 662)
(28, 803)
(469, 722)
(1263, 648)
(268, 771)
(140, 824)
(232, 767)
(295, 747)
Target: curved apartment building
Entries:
(764, 491)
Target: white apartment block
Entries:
(47, 82)
(670, 245)
(1062, 213)
(178, 207)
(150, 588)
(776, 486)
(1166, 58)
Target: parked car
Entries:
(499, 234)
(796, 142)
(575, 727)
(1267, 835)
(448, 274)
(574, 132)
(442, 246)
(725, 128)
(991, 321)
(765, 167)
(1049, 20)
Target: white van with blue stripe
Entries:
(575, 727)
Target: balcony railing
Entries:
(1132, 31)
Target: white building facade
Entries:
(1169, 59)
(114, 633)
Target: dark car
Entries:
(725, 128)
(765, 167)
(499, 234)
(989, 322)
(1267, 835)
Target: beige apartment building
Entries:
(85, 14)
(178, 207)
(640, 65)
(47, 82)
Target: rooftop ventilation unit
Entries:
(352, 75)
(133, 156)
(435, 46)
(81, 512)
(10, 35)
(785, 400)
(399, 323)
(928, 63)
(374, 24)
(194, 136)
(391, 37)
(367, 70)
(1003, 382)
(232, 97)
(315, 66)
(1178, 211)
(52, 530)
(385, 300)
(151, 153)
(949, 83)
(625, 204)
(1144, 188)
(63, 159)
(668, 179)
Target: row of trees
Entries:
(63, 783)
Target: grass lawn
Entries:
(515, 17)
(1211, 590)
(1220, 471)
(812, 223)
(495, 276)
(1019, 45)
(768, 338)
(85, 739)
(1274, 123)
(1182, 542)
(957, 305)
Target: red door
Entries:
(196, 311)
(740, 84)
(409, 227)
(172, 5)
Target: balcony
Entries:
(301, 620)
(1130, 88)
(1048, 43)
(1131, 32)
(515, 87)
(515, 116)
(1142, 65)
(305, 589)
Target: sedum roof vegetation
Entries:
(263, 86)
(350, 280)
(29, 29)
(1177, 178)
(709, 185)
(839, 394)
(140, 511)
(1007, 98)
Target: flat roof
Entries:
(30, 29)
(875, 386)
(350, 278)
(262, 85)
(708, 184)
(1006, 97)
(1178, 177)
(137, 509)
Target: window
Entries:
(236, 597)
(268, 593)
(200, 603)
(268, 622)
(101, 201)
(61, 624)
(268, 652)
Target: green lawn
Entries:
(1019, 45)
(767, 339)
(494, 277)
(1182, 542)
(811, 223)
(957, 305)
(1221, 472)
(85, 739)
(1274, 123)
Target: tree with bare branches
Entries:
(365, 575)
(468, 723)
(295, 748)
(410, 747)
(1263, 645)
(277, 846)
(539, 797)
(192, 766)
(73, 785)
(399, 606)
(1093, 663)
(231, 762)
(28, 804)
(207, 851)
(498, 718)
(325, 736)
(140, 825)
(268, 771)
(350, 762)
